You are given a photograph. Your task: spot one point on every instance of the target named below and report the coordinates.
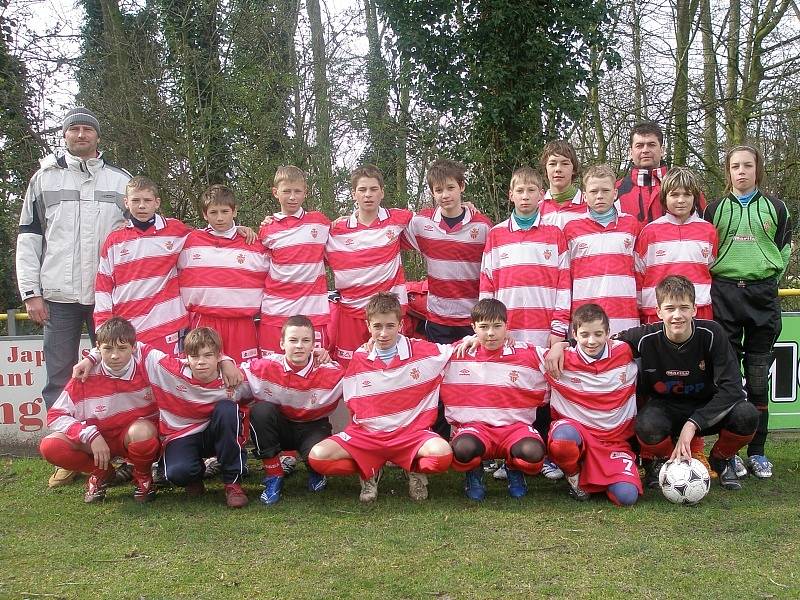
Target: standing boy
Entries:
(138, 277)
(295, 241)
(392, 392)
(221, 276)
(490, 396)
(110, 414)
(363, 251)
(563, 200)
(600, 244)
(296, 399)
(755, 234)
(594, 406)
(679, 242)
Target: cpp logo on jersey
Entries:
(414, 373)
(678, 388)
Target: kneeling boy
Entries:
(110, 414)
(296, 399)
(392, 392)
(490, 397)
(593, 403)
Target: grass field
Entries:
(734, 545)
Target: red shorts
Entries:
(371, 450)
(498, 440)
(116, 441)
(350, 333)
(603, 462)
(269, 337)
(239, 336)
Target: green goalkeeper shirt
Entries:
(755, 241)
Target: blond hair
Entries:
(526, 175)
(288, 173)
(601, 171)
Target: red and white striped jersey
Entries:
(600, 393)
(138, 279)
(602, 267)
(305, 395)
(528, 271)
(221, 275)
(295, 283)
(402, 394)
(559, 215)
(365, 259)
(668, 247)
(184, 403)
(105, 404)
(498, 388)
(453, 261)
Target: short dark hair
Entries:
(647, 128)
(561, 148)
(140, 182)
(382, 303)
(443, 169)
(489, 310)
(674, 286)
(297, 321)
(587, 313)
(217, 195)
(202, 337)
(368, 171)
(116, 329)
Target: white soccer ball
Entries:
(684, 482)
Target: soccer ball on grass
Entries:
(684, 482)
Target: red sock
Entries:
(432, 464)
(529, 468)
(143, 454)
(566, 454)
(729, 444)
(62, 454)
(273, 468)
(698, 444)
(662, 449)
(467, 466)
(340, 466)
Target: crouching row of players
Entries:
(489, 386)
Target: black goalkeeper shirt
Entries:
(701, 374)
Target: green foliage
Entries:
(511, 74)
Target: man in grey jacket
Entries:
(72, 203)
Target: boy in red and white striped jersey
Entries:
(680, 242)
(600, 246)
(593, 402)
(110, 414)
(563, 201)
(198, 411)
(490, 396)
(451, 238)
(221, 276)
(392, 391)
(363, 251)
(137, 277)
(526, 266)
(295, 401)
(295, 242)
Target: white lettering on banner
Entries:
(23, 415)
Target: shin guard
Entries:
(340, 466)
(529, 468)
(143, 454)
(662, 449)
(729, 444)
(432, 464)
(467, 466)
(62, 454)
(566, 454)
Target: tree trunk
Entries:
(322, 114)
(680, 99)
(709, 96)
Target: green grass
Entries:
(734, 545)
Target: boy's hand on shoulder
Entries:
(81, 370)
(232, 375)
(341, 219)
(268, 220)
(468, 344)
(101, 453)
(248, 234)
(554, 361)
(470, 207)
(321, 356)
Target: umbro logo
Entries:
(181, 388)
(465, 372)
(661, 252)
(197, 256)
(428, 227)
(100, 408)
